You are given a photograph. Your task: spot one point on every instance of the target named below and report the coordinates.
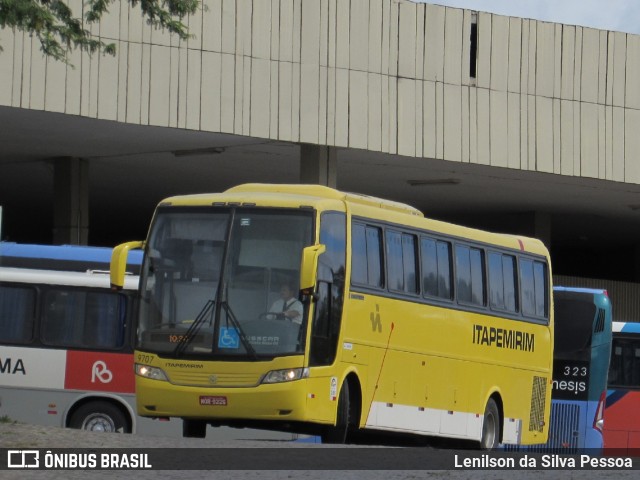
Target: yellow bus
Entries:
(397, 323)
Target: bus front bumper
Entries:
(281, 401)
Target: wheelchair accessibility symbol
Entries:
(228, 338)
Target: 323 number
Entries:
(575, 371)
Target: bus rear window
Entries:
(574, 324)
(533, 281)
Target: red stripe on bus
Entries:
(99, 371)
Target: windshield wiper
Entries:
(194, 328)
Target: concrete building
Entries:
(498, 122)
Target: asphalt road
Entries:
(254, 458)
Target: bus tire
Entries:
(344, 418)
(100, 416)
(194, 428)
(490, 427)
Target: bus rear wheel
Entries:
(99, 416)
(194, 428)
(490, 427)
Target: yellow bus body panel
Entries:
(426, 358)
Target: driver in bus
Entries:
(287, 307)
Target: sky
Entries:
(618, 15)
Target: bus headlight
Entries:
(153, 373)
(288, 375)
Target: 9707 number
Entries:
(141, 358)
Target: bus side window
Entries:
(367, 256)
(17, 311)
(322, 351)
(502, 282)
(632, 363)
(103, 322)
(374, 257)
(401, 262)
(62, 309)
(636, 365)
(470, 275)
(395, 274)
(625, 363)
(436, 268)
(358, 255)
(325, 328)
(615, 372)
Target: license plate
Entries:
(213, 400)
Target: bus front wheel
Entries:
(344, 418)
(194, 428)
(99, 416)
(490, 427)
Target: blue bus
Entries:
(582, 350)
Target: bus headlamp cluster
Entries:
(150, 372)
(288, 375)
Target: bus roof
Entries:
(63, 252)
(594, 291)
(312, 196)
(77, 258)
(299, 194)
(89, 278)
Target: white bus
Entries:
(66, 356)
(67, 339)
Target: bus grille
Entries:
(563, 432)
(538, 399)
(215, 380)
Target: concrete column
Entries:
(318, 165)
(636, 263)
(71, 201)
(531, 224)
(542, 227)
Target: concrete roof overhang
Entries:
(133, 167)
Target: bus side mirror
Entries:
(118, 265)
(309, 267)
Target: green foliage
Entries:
(59, 31)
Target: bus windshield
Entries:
(221, 283)
(574, 327)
